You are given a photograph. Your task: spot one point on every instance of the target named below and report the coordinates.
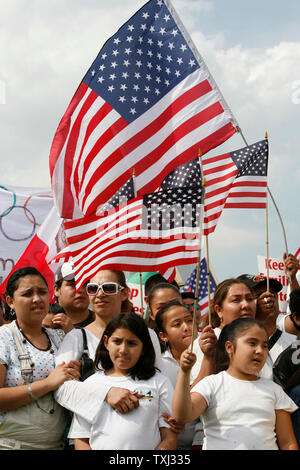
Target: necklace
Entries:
(30, 379)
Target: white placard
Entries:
(276, 271)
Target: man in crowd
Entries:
(282, 329)
(75, 304)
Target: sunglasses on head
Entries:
(108, 288)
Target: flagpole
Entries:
(208, 280)
(267, 236)
(141, 278)
(199, 251)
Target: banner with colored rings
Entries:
(22, 211)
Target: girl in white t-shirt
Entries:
(125, 358)
(174, 323)
(239, 410)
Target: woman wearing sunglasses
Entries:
(108, 295)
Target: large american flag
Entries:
(191, 284)
(233, 180)
(153, 232)
(147, 103)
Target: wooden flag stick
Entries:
(199, 251)
(267, 236)
(208, 280)
(141, 278)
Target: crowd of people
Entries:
(90, 373)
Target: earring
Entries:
(12, 313)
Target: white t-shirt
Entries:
(284, 341)
(137, 430)
(240, 414)
(192, 434)
(266, 372)
(80, 397)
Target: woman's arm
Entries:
(284, 431)
(82, 444)
(186, 406)
(168, 439)
(15, 397)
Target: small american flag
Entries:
(249, 190)
(190, 285)
(233, 180)
(148, 102)
(297, 254)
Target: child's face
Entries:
(250, 351)
(178, 326)
(160, 298)
(125, 349)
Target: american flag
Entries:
(249, 190)
(233, 180)
(150, 233)
(190, 285)
(297, 254)
(148, 103)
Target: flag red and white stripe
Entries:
(236, 180)
(169, 274)
(117, 241)
(247, 193)
(219, 173)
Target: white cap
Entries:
(65, 272)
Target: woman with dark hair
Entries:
(30, 418)
(125, 357)
(233, 299)
(108, 294)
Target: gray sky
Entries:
(253, 52)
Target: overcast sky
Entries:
(253, 52)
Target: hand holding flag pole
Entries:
(208, 281)
(199, 252)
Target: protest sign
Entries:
(276, 271)
(134, 284)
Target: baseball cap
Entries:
(254, 281)
(65, 272)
